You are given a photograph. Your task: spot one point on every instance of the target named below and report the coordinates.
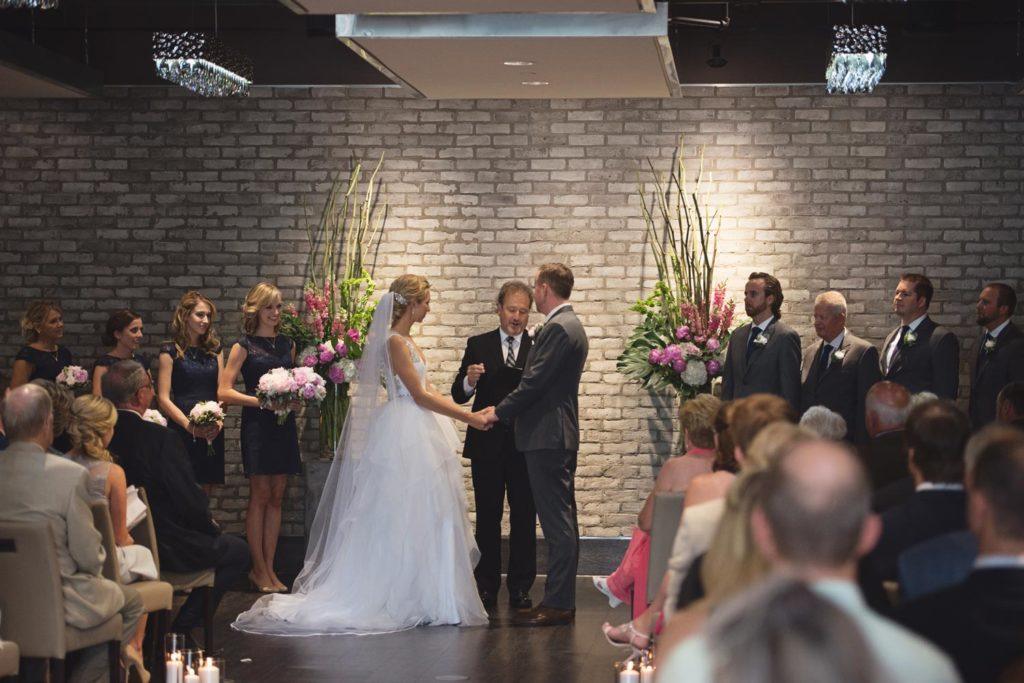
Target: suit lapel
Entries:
(525, 344)
(834, 362)
(983, 359)
(756, 351)
(496, 350)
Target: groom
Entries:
(545, 408)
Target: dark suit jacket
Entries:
(978, 622)
(497, 382)
(936, 564)
(844, 385)
(885, 458)
(892, 494)
(993, 370)
(771, 369)
(931, 363)
(545, 405)
(153, 456)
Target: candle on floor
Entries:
(173, 670)
(646, 673)
(191, 677)
(209, 673)
(629, 674)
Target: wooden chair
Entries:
(32, 602)
(145, 534)
(668, 510)
(157, 596)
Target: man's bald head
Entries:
(815, 502)
(28, 415)
(886, 407)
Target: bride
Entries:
(391, 546)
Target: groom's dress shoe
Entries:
(544, 616)
(519, 600)
(489, 599)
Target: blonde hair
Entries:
(209, 341)
(697, 418)
(263, 294)
(412, 288)
(774, 440)
(35, 316)
(91, 418)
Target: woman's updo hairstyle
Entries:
(118, 321)
(408, 289)
(91, 418)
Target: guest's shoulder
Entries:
(901, 649)
(62, 471)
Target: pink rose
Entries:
(713, 345)
(354, 335)
(714, 367)
(341, 349)
(679, 365)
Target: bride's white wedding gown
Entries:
(398, 550)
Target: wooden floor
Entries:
(498, 652)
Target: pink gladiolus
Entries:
(337, 327)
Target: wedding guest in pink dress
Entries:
(628, 583)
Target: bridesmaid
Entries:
(124, 334)
(270, 452)
(188, 371)
(42, 357)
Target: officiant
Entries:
(491, 368)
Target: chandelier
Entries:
(858, 58)
(201, 63)
(30, 4)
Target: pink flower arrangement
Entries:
(73, 377)
(694, 360)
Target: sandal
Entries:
(626, 635)
(262, 589)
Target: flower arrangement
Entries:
(686, 321)
(74, 377)
(204, 414)
(337, 305)
(155, 416)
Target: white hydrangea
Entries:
(696, 373)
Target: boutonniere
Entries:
(535, 330)
(910, 338)
(838, 354)
(990, 345)
(761, 339)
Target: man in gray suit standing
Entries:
(763, 355)
(545, 409)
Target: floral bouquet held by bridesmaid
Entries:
(207, 414)
(74, 377)
(283, 390)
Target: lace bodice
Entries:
(417, 362)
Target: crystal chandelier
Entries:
(31, 4)
(858, 58)
(201, 63)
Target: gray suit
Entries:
(41, 487)
(545, 408)
(843, 387)
(770, 369)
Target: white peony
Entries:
(696, 373)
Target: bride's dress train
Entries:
(397, 551)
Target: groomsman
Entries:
(920, 354)
(763, 355)
(999, 359)
(838, 372)
(491, 368)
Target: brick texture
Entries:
(130, 199)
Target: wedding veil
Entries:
(367, 395)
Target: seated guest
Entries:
(61, 398)
(42, 357)
(922, 397)
(885, 455)
(812, 523)
(123, 336)
(1010, 404)
(978, 622)
(825, 423)
(36, 486)
(628, 583)
(91, 428)
(936, 435)
(152, 457)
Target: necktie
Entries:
(826, 354)
(754, 331)
(510, 357)
(903, 335)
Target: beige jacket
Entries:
(38, 486)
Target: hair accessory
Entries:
(399, 299)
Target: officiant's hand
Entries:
(473, 373)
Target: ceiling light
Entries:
(31, 4)
(536, 83)
(202, 64)
(518, 63)
(858, 58)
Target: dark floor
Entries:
(497, 653)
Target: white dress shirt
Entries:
(891, 352)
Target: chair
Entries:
(9, 656)
(145, 534)
(32, 601)
(668, 509)
(157, 596)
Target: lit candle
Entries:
(173, 668)
(646, 673)
(208, 673)
(191, 676)
(629, 674)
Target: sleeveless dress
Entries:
(45, 365)
(401, 549)
(135, 561)
(267, 447)
(106, 360)
(193, 380)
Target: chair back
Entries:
(105, 525)
(668, 509)
(31, 597)
(144, 532)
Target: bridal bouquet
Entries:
(74, 377)
(205, 414)
(155, 416)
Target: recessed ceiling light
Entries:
(517, 63)
(536, 83)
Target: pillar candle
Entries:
(208, 673)
(629, 674)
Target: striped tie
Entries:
(510, 357)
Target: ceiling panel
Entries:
(17, 83)
(464, 6)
